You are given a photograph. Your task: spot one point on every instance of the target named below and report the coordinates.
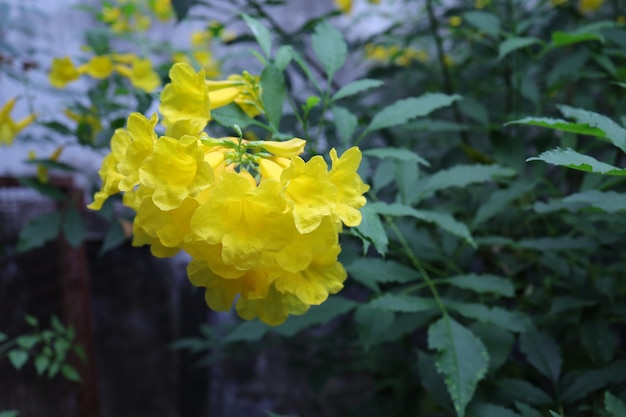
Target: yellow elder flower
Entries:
(141, 74)
(9, 128)
(162, 9)
(186, 99)
(63, 72)
(140, 146)
(273, 309)
(349, 185)
(245, 90)
(171, 228)
(286, 149)
(175, 169)
(589, 6)
(344, 5)
(99, 66)
(455, 21)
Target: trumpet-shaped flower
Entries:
(140, 74)
(9, 128)
(589, 6)
(349, 186)
(172, 227)
(63, 72)
(142, 139)
(245, 90)
(273, 309)
(109, 173)
(100, 66)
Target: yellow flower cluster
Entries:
(589, 6)
(139, 71)
(201, 44)
(402, 57)
(260, 223)
(9, 128)
(134, 15)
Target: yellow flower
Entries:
(63, 72)
(9, 128)
(245, 90)
(42, 170)
(286, 149)
(185, 99)
(141, 144)
(481, 4)
(172, 228)
(349, 186)
(373, 1)
(556, 3)
(621, 19)
(344, 5)
(589, 6)
(99, 66)
(141, 74)
(455, 21)
(175, 170)
(273, 309)
(162, 9)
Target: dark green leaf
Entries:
(598, 339)
(270, 414)
(45, 189)
(329, 47)
(400, 154)
(273, 94)
(32, 321)
(462, 358)
(543, 353)
(51, 164)
(584, 383)
(261, 34)
(527, 411)
(181, 8)
(403, 303)
(18, 358)
(113, 238)
(432, 380)
(284, 55)
(484, 21)
(3, 337)
(560, 124)
(608, 201)
(614, 406)
(27, 341)
(498, 341)
(372, 324)
(500, 200)
(489, 410)
(356, 87)
(69, 372)
(41, 364)
(371, 228)
(231, 115)
(460, 176)
(9, 413)
(73, 227)
(482, 284)
(520, 390)
(324, 313)
(372, 271)
(246, 331)
(38, 231)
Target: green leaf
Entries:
(598, 339)
(372, 324)
(181, 8)
(556, 243)
(513, 44)
(45, 189)
(329, 47)
(443, 220)
(57, 325)
(372, 271)
(500, 200)
(51, 164)
(270, 414)
(614, 406)
(583, 383)
(9, 413)
(543, 353)
(331, 308)
(18, 358)
(485, 22)
(554, 414)
(498, 341)
(356, 87)
(3, 337)
(32, 321)
(474, 109)
(404, 110)
(402, 303)
(571, 159)
(515, 321)
(460, 176)
(614, 132)
(284, 55)
(261, 34)
(527, 411)
(521, 390)
(560, 124)
(41, 364)
(399, 154)
(27, 341)
(113, 238)
(247, 331)
(231, 115)
(482, 284)
(69, 372)
(432, 380)
(346, 124)
(273, 94)
(73, 227)
(462, 358)
(371, 228)
(39, 230)
(568, 38)
(490, 410)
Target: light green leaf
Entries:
(3, 337)
(331, 308)
(39, 231)
(614, 406)
(356, 87)
(614, 132)
(247, 331)
(462, 358)
(489, 410)
(568, 38)
(329, 47)
(261, 34)
(9, 413)
(521, 390)
(403, 303)
(460, 176)
(27, 341)
(273, 94)
(231, 115)
(513, 44)
(284, 55)
(404, 110)
(372, 324)
(572, 159)
(543, 353)
(41, 364)
(400, 154)
(18, 358)
(560, 124)
(484, 21)
(372, 229)
(73, 227)
(482, 284)
(555, 414)
(515, 321)
(346, 124)
(372, 271)
(443, 220)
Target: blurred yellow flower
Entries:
(344, 5)
(455, 21)
(9, 128)
(100, 66)
(481, 4)
(63, 72)
(245, 90)
(589, 6)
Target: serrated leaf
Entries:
(543, 353)
(614, 406)
(372, 324)
(402, 303)
(498, 341)
(598, 339)
(406, 109)
(572, 159)
(247, 331)
(400, 154)
(261, 34)
(356, 87)
(273, 94)
(329, 48)
(484, 21)
(521, 390)
(443, 220)
(372, 229)
(460, 176)
(614, 132)
(41, 364)
(18, 358)
(372, 271)
(527, 411)
(69, 372)
(560, 124)
(490, 410)
(515, 321)
(462, 358)
(38, 231)
(482, 284)
(513, 44)
(584, 383)
(500, 200)
(73, 227)
(346, 124)
(433, 381)
(333, 307)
